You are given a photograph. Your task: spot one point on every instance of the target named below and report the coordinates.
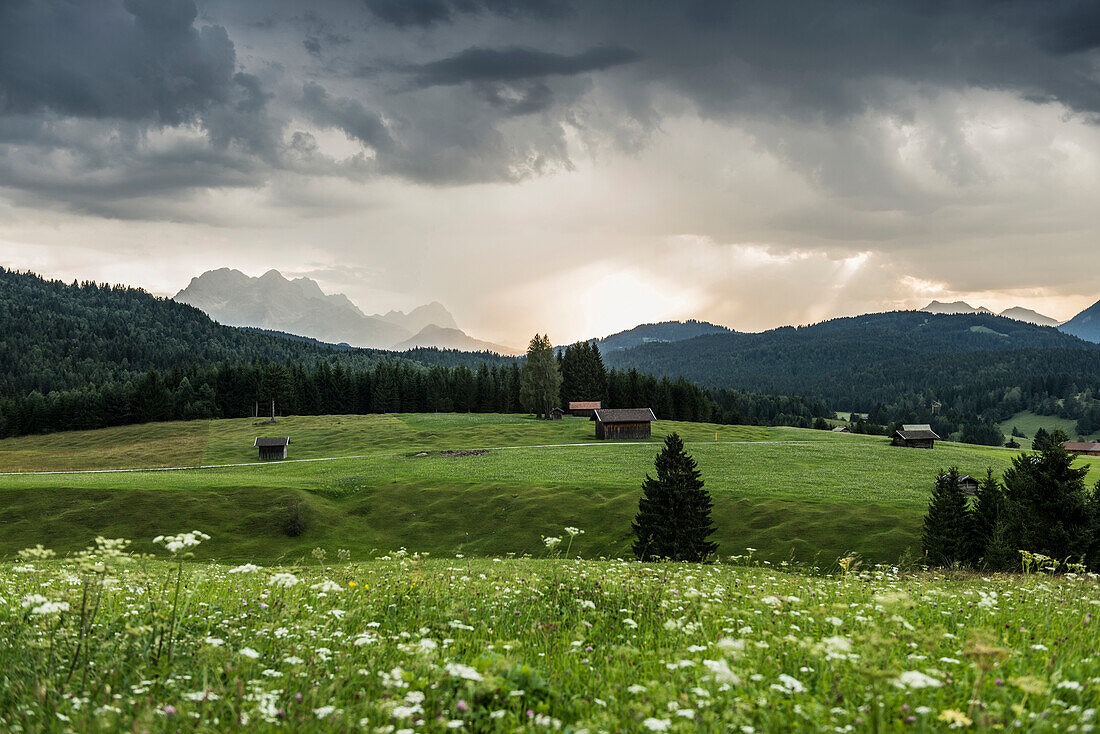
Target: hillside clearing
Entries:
(1029, 423)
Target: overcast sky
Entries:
(571, 166)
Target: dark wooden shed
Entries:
(968, 484)
(585, 408)
(618, 423)
(556, 414)
(272, 448)
(915, 436)
(1082, 448)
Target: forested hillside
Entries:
(61, 336)
(83, 355)
(980, 367)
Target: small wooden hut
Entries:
(618, 423)
(556, 414)
(842, 429)
(584, 408)
(272, 448)
(968, 485)
(915, 436)
(1082, 448)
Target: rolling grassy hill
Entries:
(379, 482)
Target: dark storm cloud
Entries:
(469, 91)
(424, 13)
(515, 63)
(348, 115)
(139, 59)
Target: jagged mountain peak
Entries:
(299, 306)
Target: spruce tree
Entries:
(1041, 439)
(984, 517)
(946, 531)
(1046, 508)
(673, 519)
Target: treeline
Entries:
(234, 390)
(1039, 515)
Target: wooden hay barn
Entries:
(968, 485)
(915, 436)
(584, 408)
(556, 414)
(272, 448)
(619, 423)
(1089, 448)
(842, 429)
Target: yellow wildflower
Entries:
(955, 718)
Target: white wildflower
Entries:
(458, 670)
(916, 679)
(285, 580)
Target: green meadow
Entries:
(380, 482)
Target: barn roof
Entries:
(911, 431)
(1079, 446)
(842, 429)
(625, 415)
(584, 404)
(269, 442)
(967, 478)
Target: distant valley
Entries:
(299, 306)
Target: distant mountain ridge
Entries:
(1019, 313)
(860, 360)
(421, 317)
(271, 302)
(1085, 325)
(663, 331)
(450, 338)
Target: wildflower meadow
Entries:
(107, 640)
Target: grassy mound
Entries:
(787, 492)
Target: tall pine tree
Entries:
(541, 382)
(673, 519)
(946, 532)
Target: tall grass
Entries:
(410, 643)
